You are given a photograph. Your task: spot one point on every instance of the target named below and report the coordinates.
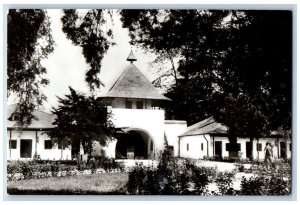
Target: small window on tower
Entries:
(139, 105)
(187, 147)
(201, 146)
(128, 104)
(154, 104)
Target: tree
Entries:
(89, 33)
(29, 41)
(175, 34)
(259, 85)
(234, 65)
(81, 120)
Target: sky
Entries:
(66, 65)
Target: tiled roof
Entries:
(132, 83)
(207, 126)
(44, 120)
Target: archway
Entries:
(135, 144)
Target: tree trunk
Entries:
(251, 148)
(233, 147)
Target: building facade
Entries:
(137, 109)
(209, 139)
(26, 143)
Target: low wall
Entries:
(132, 162)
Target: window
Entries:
(290, 146)
(187, 146)
(139, 105)
(12, 144)
(259, 147)
(154, 104)
(48, 144)
(201, 146)
(128, 104)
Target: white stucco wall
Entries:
(120, 103)
(173, 128)
(37, 146)
(194, 144)
(148, 120)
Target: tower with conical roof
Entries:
(136, 107)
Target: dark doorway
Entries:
(283, 150)
(218, 149)
(26, 148)
(249, 149)
(131, 146)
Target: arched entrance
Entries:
(135, 144)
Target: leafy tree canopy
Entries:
(234, 65)
(81, 118)
(89, 33)
(29, 41)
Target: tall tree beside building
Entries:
(29, 41)
(81, 120)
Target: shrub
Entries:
(170, 177)
(40, 168)
(137, 179)
(265, 185)
(225, 184)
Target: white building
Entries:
(137, 108)
(25, 142)
(209, 138)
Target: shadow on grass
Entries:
(14, 191)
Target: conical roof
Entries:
(132, 83)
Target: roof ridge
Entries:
(204, 125)
(127, 67)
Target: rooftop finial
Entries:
(131, 57)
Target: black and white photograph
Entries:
(159, 101)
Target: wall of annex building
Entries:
(194, 147)
(173, 128)
(190, 147)
(257, 150)
(38, 139)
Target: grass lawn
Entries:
(105, 183)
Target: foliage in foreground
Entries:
(174, 177)
(45, 168)
(169, 178)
